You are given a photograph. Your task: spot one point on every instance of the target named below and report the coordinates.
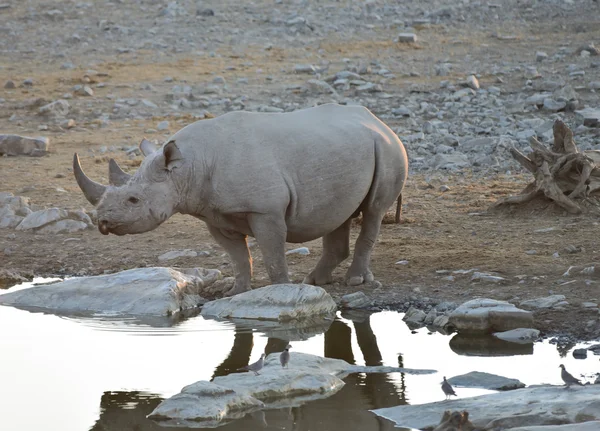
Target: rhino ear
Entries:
(147, 147)
(173, 157)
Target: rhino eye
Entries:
(133, 200)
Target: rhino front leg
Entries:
(236, 247)
(359, 271)
(336, 248)
(270, 233)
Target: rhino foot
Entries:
(318, 280)
(360, 279)
(237, 288)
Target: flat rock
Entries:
(281, 302)
(15, 145)
(41, 218)
(476, 379)
(545, 302)
(355, 300)
(489, 315)
(519, 335)
(584, 426)
(170, 255)
(452, 161)
(143, 291)
(205, 403)
(308, 378)
(541, 405)
(589, 117)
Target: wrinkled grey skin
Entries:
(277, 177)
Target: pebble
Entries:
(407, 37)
(472, 82)
(163, 125)
(303, 251)
(9, 85)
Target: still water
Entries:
(107, 373)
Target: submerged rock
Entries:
(542, 405)
(142, 291)
(477, 379)
(487, 315)
(280, 302)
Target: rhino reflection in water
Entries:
(278, 177)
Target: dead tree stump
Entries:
(562, 173)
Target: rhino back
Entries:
(316, 165)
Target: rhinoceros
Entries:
(278, 177)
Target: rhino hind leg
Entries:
(237, 248)
(359, 271)
(336, 248)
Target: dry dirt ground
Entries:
(441, 230)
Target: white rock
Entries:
(303, 251)
(163, 125)
(407, 37)
(355, 300)
(477, 379)
(483, 276)
(204, 403)
(414, 315)
(519, 335)
(143, 291)
(41, 218)
(275, 302)
(544, 405)
(546, 302)
(450, 161)
(15, 145)
(584, 426)
(472, 82)
(170, 255)
(56, 109)
(487, 315)
(63, 226)
(589, 117)
(304, 68)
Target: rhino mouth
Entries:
(105, 228)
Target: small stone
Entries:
(170, 255)
(218, 80)
(444, 188)
(540, 56)
(472, 82)
(580, 353)
(589, 304)
(531, 252)
(303, 251)
(9, 85)
(28, 82)
(589, 117)
(554, 105)
(482, 276)
(58, 108)
(205, 12)
(407, 37)
(305, 68)
(68, 124)
(402, 262)
(163, 125)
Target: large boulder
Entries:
(541, 405)
(279, 302)
(489, 315)
(144, 291)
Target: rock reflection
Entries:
(346, 410)
(473, 345)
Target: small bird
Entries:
(448, 389)
(256, 367)
(568, 378)
(284, 358)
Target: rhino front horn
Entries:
(92, 190)
(116, 175)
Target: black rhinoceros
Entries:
(278, 177)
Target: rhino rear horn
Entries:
(92, 190)
(147, 147)
(116, 175)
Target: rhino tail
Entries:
(398, 209)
